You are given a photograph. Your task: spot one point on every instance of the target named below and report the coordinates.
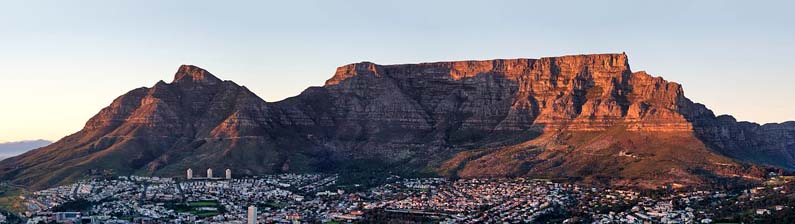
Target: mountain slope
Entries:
(197, 115)
(585, 116)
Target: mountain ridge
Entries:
(12, 148)
(581, 116)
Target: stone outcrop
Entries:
(587, 117)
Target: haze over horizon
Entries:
(61, 63)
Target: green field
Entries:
(203, 204)
(194, 207)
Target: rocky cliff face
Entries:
(769, 144)
(586, 92)
(586, 116)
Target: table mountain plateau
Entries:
(586, 117)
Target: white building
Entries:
(190, 173)
(252, 214)
(228, 174)
(209, 173)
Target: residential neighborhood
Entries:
(318, 198)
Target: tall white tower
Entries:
(190, 173)
(209, 173)
(252, 214)
(228, 174)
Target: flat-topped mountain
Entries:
(588, 117)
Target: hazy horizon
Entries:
(64, 62)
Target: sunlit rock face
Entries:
(588, 117)
(584, 92)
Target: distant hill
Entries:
(9, 149)
(580, 117)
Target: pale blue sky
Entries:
(62, 61)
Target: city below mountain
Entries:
(584, 118)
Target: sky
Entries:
(63, 61)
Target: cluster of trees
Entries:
(78, 205)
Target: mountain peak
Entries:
(194, 74)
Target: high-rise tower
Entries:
(252, 214)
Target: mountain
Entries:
(9, 149)
(586, 117)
